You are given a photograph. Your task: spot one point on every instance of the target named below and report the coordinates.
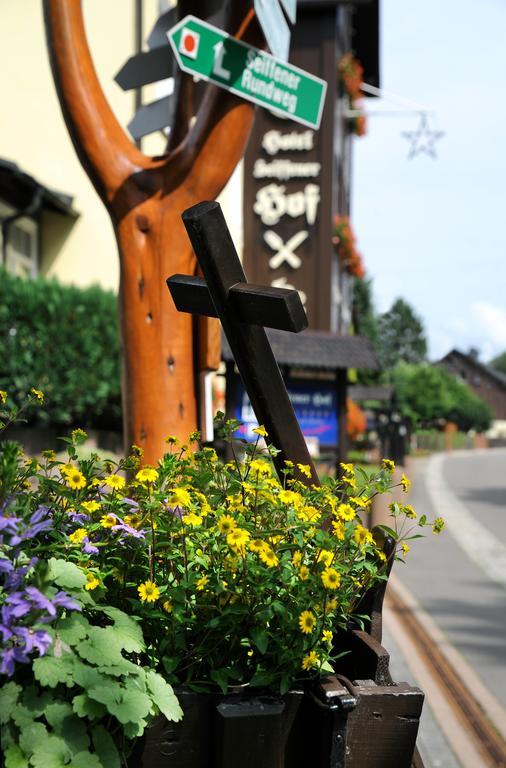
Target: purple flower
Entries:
(9, 524)
(40, 601)
(20, 606)
(78, 517)
(62, 600)
(9, 656)
(129, 530)
(39, 514)
(88, 547)
(37, 639)
(131, 502)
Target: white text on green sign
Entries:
(210, 53)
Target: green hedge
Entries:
(64, 341)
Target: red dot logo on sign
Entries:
(189, 43)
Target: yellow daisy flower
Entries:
(148, 592)
(3, 396)
(348, 468)
(405, 482)
(338, 530)
(75, 479)
(107, 521)
(202, 583)
(78, 535)
(261, 431)
(297, 558)
(388, 464)
(38, 395)
(325, 556)
(304, 469)
(91, 582)
(167, 606)
(409, 511)
(192, 520)
(290, 497)
(362, 536)
(331, 578)
(226, 524)
(146, 475)
(307, 622)
(331, 605)
(257, 545)
(237, 540)
(133, 520)
(327, 636)
(180, 497)
(268, 557)
(115, 482)
(310, 661)
(405, 548)
(438, 525)
(90, 506)
(345, 512)
(303, 572)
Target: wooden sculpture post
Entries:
(145, 197)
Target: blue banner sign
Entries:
(315, 405)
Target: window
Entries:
(22, 245)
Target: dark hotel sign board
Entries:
(288, 184)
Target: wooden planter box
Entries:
(368, 723)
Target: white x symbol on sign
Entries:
(285, 251)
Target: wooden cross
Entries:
(245, 310)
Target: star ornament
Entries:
(423, 139)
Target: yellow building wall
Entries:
(33, 133)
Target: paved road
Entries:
(459, 577)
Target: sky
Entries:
(433, 231)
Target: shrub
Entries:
(64, 341)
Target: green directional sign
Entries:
(209, 53)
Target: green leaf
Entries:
(22, 716)
(125, 704)
(33, 702)
(134, 730)
(126, 630)
(105, 747)
(422, 521)
(86, 707)
(163, 696)
(52, 753)
(260, 638)
(66, 574)
(50, 671)
(73, 628)
(87, 760)
(66, 724)
(220, 677)
(14, 758)
(9, 694)
(32, 736)
(102, 647)
(56, 713)
(89, 677)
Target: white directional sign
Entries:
(290, 7)
(274, 27)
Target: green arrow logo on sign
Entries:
(210, 53)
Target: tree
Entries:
(401, 336)
(145, 197)
(499, 363)
(428, 394)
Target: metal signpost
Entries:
(210, 53)
(244, 310)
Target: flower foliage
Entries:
(351, 71)
(344, 242)
(117, 580)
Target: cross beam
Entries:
(244, 311)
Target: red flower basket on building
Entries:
(344, 242)
(351, 72)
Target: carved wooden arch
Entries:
(145, 197)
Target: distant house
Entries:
(484, 381)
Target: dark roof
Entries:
(361, 394)
(317, 350)
(18, 189)
(498, 376)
